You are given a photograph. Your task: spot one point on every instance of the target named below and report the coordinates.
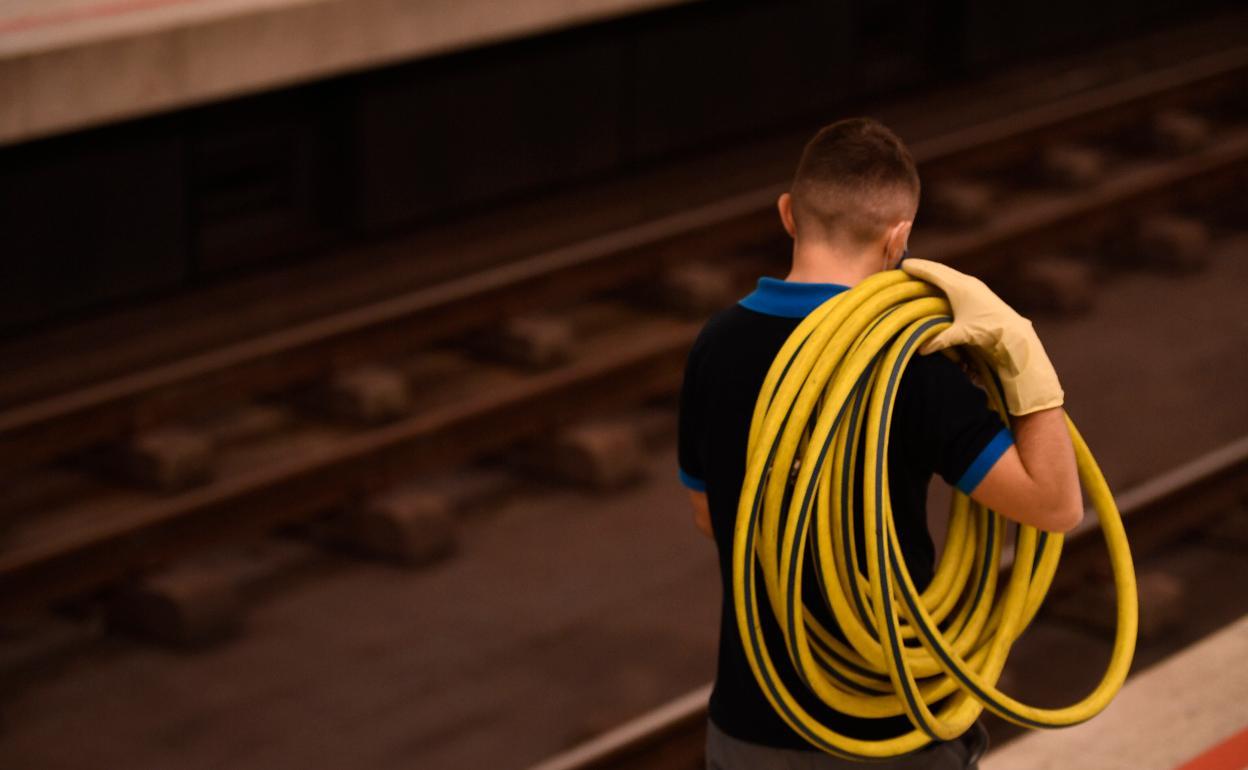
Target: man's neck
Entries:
(829, 263)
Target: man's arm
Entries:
(1036, 481)
(701, 512)
(689, 436)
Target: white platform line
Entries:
(629, 733)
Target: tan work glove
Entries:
(982, 319)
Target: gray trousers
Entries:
(723, 752)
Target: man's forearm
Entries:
(1048, 456)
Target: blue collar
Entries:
(789, 299)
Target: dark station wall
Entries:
(170, 202)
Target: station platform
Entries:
(70, 64)
(1185, 713)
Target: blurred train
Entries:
(165, 203)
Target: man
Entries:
(849, 212)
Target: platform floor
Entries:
(1164, 717)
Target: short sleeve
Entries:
(946, 422)
(690, 421)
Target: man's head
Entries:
(856, 190)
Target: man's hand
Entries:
(982, 319)
(701, 513)
(1036, 481)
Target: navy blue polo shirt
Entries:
(941, 425)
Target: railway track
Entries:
(1038, 180)
(1157, 513)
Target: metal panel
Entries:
(88, 220)
(435, 137)
(707, 73)
(264, 178)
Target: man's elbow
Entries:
(1063, 514)
(703, 522)
(1065, 521)
(1051, 510)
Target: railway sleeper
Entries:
(186, 607)
(529, 341)
(1231, 529)
(1178, 132)
(959, 203)
(1071, 166)
(245, 423)
(167, 459)
(408, 526)
(368, 394)
(1052, 283)
(1173, 244)
(601, 455)
(697, 290)
(656, 424)
(202, 600)
(1093, 605)
(474, 490)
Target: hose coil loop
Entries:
(833, 381)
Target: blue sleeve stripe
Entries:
(693, 482)
(983, 463)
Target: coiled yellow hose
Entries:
(835, 377)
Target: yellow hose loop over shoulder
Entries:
(833, 383)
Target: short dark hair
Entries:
(855, 178)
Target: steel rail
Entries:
(250, 503)
(38, 430)
(260, 499)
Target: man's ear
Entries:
(897, 243)
(785, 205)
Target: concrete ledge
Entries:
(1163, 716)
(71, 64)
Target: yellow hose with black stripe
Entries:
(835, 379)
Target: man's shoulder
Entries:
(724, 321)
(722, 325)
(736, 326)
